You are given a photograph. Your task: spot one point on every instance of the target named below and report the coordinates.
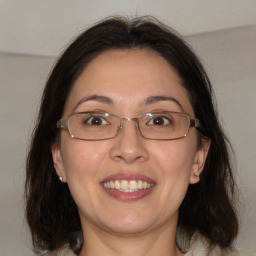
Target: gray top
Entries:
(199, 246)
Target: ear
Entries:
(199, 161)
(58, 162)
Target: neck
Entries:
(159, 242)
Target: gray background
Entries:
(33, 33)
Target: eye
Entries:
(159, 120)
(96, 120)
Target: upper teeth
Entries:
(127, 185)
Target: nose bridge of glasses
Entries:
(135, 119)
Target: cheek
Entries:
(176, 157)
(81, 158)
(82, 164)
(175, 161)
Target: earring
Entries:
(60, 178)
(196, 175)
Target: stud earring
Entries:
(196, 175)
(60, 178)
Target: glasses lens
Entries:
(93, 126)
(164, 126)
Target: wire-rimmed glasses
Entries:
(166, 125)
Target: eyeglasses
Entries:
(165, 125)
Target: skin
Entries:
(146, 226)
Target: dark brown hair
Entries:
(208, 206)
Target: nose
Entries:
(129, 145)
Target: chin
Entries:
(132, 223)
(128, 229)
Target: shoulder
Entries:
(64, 251)
(200, 246)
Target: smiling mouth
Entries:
(128, 185)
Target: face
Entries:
(127, 79)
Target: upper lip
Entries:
(128, 176)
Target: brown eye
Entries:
(159, 120)
(96, 120)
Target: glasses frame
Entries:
(64, 123)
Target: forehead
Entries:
(128, 77)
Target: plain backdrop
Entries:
(228, 53)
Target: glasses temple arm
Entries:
(194, 123)
(62, 123)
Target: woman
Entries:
(128, 156)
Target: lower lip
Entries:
(128, 196)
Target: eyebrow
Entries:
(94, 97)
(155, 99)
(148, 101)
